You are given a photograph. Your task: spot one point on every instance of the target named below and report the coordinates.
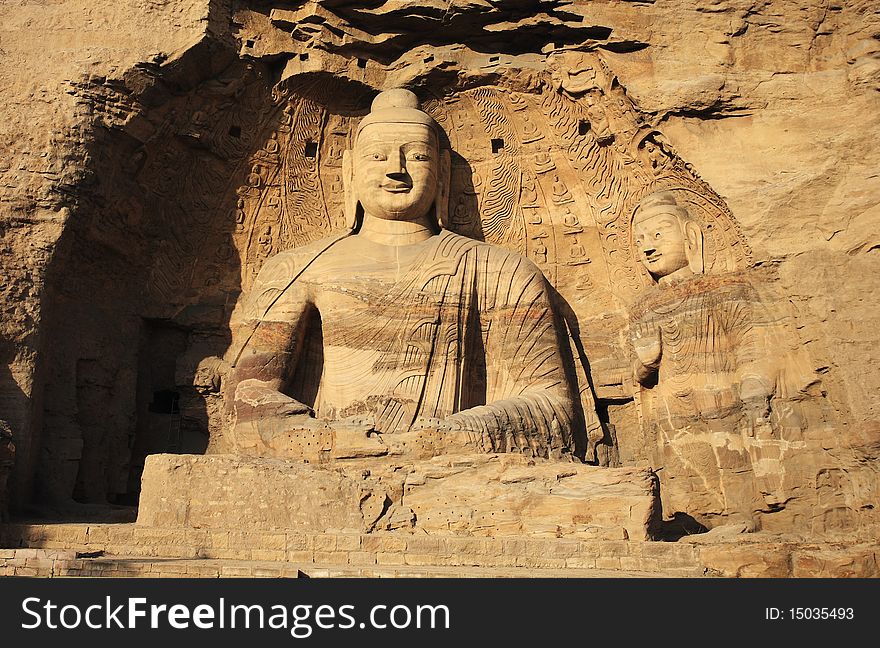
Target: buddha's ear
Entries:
(694, 247)
(441, 203)
(351, 200)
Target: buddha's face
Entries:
(395, 170)
(661, 241)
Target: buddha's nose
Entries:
(396, 165)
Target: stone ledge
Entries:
(746, 558)
(146, 567)
(382, 549)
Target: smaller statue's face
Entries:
(661, 242)
(395, 170)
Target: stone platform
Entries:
(48, 563)
(459, 516)
(134, 550)
(498, 496)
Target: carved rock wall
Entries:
(60, 59)
(155, 153)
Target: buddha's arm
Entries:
(528, 399)
(267, 336)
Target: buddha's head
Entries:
(668, 240)
(398, 169)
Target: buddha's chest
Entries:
(376, 311)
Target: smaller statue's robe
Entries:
(450, 328)
(715, 336)
(717, 343)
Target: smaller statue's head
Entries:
(398, 168)
(668, 239)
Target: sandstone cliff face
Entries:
(129, 131)
(53, 54)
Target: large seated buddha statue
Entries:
(398, 335)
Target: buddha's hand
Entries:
(506, 426)
(255, 399)
(648, 344)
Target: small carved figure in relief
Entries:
(213, 275)
(529, 192)
(466, 131)
(570, 222)
(224, 253)
(561, 193)
(577, 254)
(622, 149)
(335, 184)
(468, 184)
(272, 144)
(239, 216)
(599, 124)
(265, 241)
(402, 303)
(623, 118)
(541, 252)
(544, 162)
(534, 217)
(287, 118)
(337, 125)
(198, 124)
(461, 215)
(705, 366)
(530, 130)
(477, 182)
(654, 156)
(273, 203)
(574, 74)
(334, 153)
(255, 178)
(517, 101)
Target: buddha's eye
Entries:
(657, 235)
(377, 156)
(419, 157)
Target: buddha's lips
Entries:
(396, 187)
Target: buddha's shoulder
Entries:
(283, 266)
(494, 256)
(732, 286)
(464, 244)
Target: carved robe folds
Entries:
(450, 333)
